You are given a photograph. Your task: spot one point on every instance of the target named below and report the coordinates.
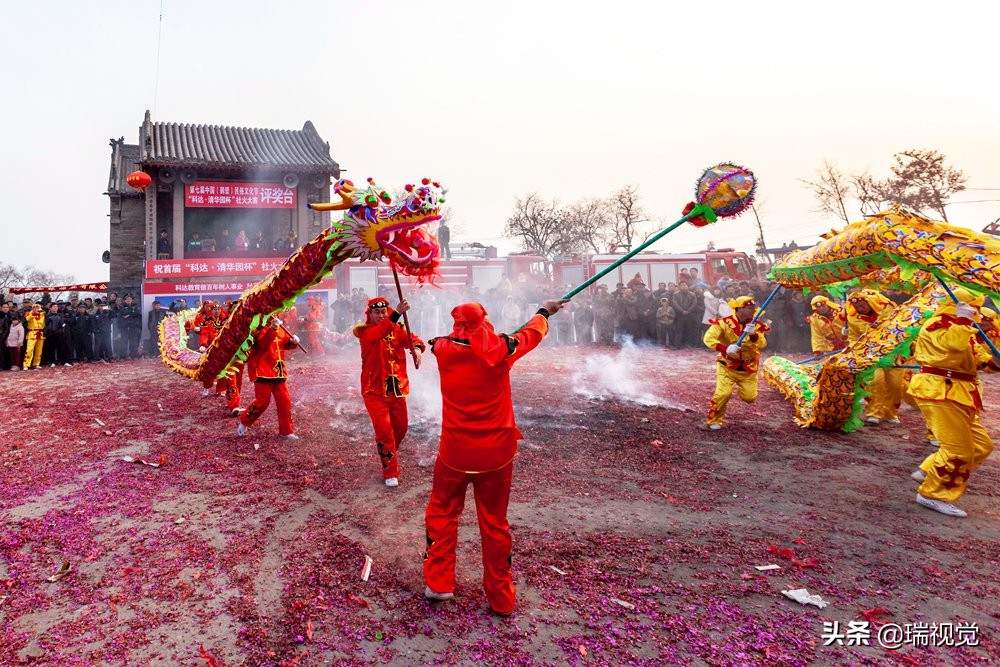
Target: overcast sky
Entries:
(497, 100)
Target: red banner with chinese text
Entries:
(223, 266)
(236, 194)
(217, 287)
(82, 287)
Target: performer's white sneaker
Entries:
(291, 436)
(392, 481)
(934, 443)
(237, 411)
(894, 420)
(715, 427)
(919, 476)
(874, 421)
(433, 595)
(241, 429)
(941, 506)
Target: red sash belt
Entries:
(945, 373)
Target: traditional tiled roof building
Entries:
(212, 187)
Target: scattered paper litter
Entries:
(366, 571)
(556, 569)
(99, 421)
(129, 459)
(627, 605)
(803, 596)
(180, 521)
(63, 571)
(159, 407)
(765, 568)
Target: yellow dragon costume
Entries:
(896, 249)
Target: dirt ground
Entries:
(636, 532)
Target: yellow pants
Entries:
(725, 380)
(912, 402)
(887, 394)
(907, 396)
(33, 350)
(963, 446)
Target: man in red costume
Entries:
(266, 363)
(314, 323)
(478, 445)
(208, 327)
(233, 387)
(384, 383)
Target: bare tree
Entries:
(870, 192)
(921, 180)
(756, 207)
(541, 226)
(11, 276)
(626, 216)
(589, 223)
(832, 189)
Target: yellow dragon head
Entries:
(374, 227)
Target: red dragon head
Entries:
(374, 227)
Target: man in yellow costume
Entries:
(736, 365)
(826, 325)
(948, 392)
(865, 307)
(34, 336)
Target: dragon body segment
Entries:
(898, 249)
(372, 228)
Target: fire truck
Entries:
(471, 265)
(654, 267)
(480, 266)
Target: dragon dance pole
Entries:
(629, 255)
(760, 311)
(993, 348)
(820, 356)
(292, 336)
(406, 320)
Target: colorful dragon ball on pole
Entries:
(726, 190)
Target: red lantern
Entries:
(138, 180)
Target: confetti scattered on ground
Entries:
(636, 534)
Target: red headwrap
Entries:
(471, 325)
(469, 318)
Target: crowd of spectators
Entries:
(226, 242)
(673, 315)
(93, 329)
